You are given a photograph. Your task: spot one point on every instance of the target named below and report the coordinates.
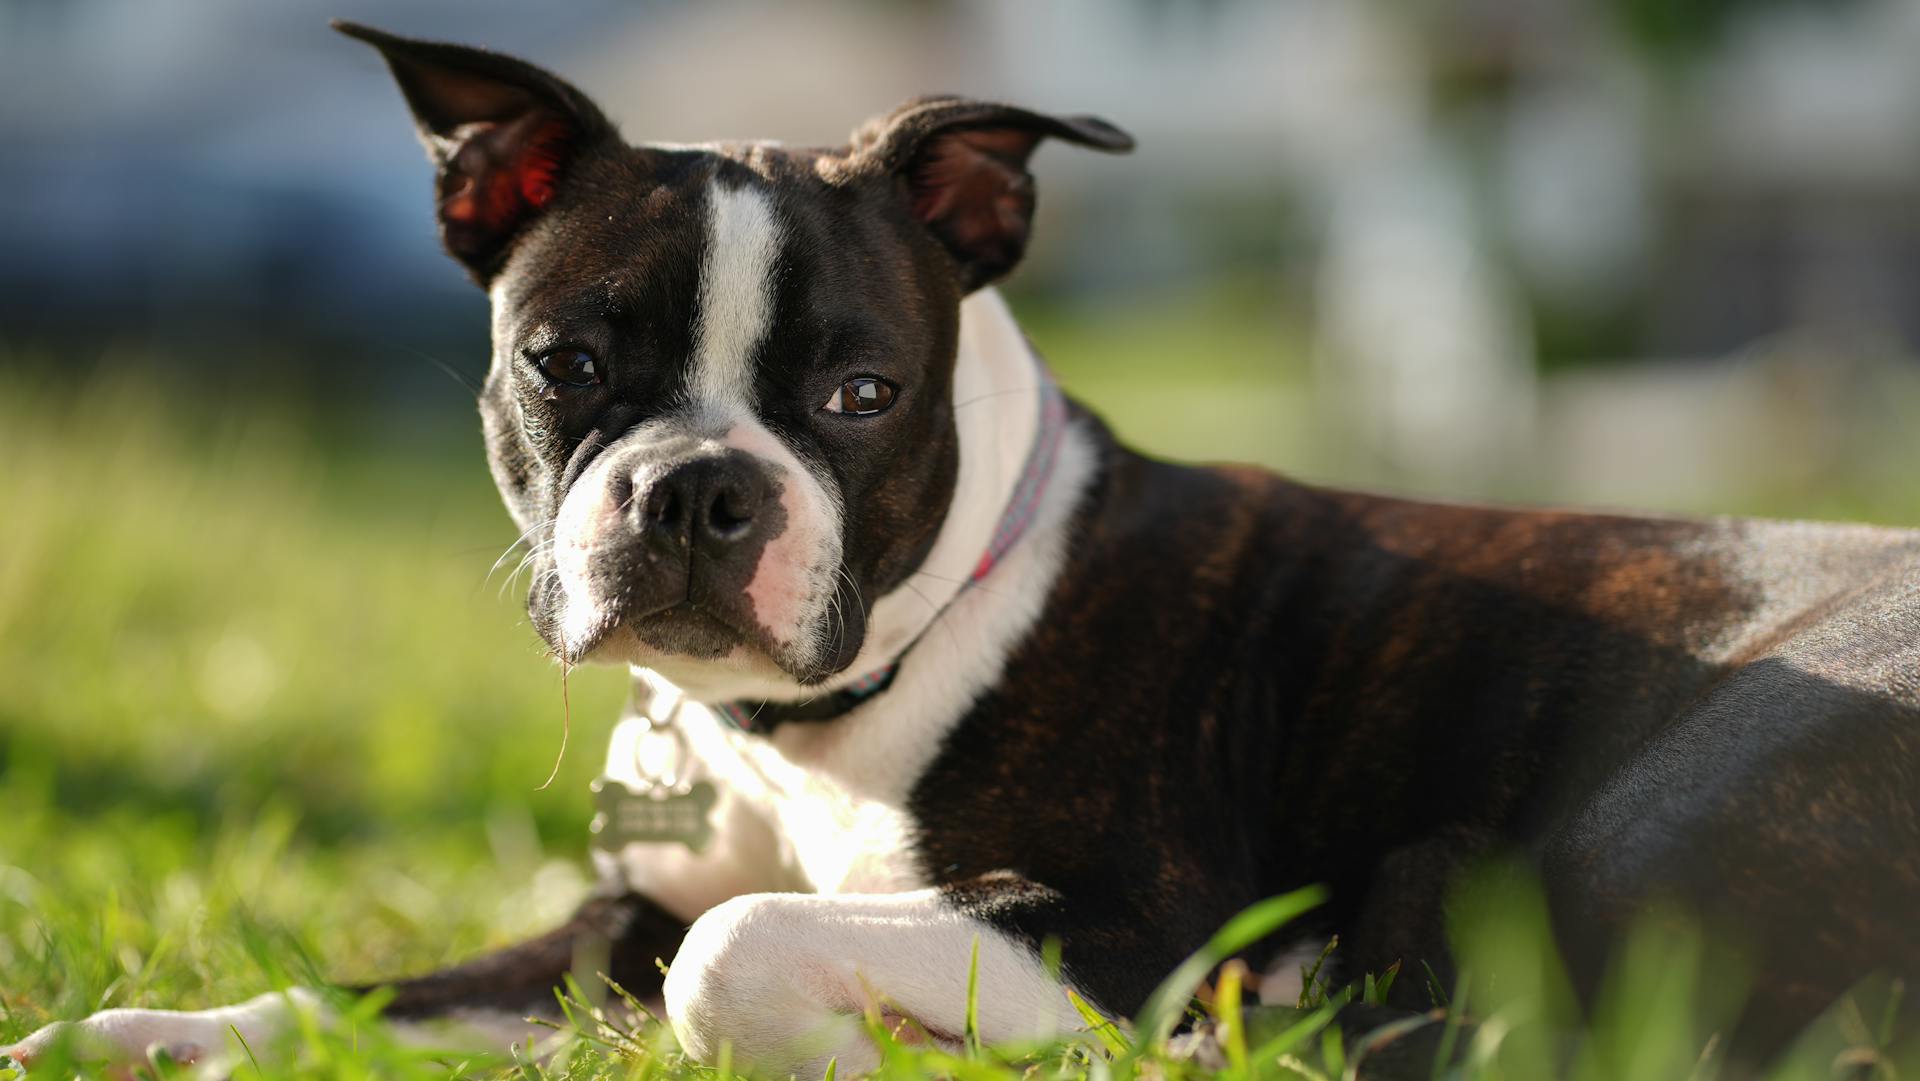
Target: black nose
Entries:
(706, 504)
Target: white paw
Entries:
(781, 981)
(116, 1038)
(746, 978)
(132, 1038)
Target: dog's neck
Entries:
(996, 386)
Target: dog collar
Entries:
(749, 715)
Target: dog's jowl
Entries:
(923, 657)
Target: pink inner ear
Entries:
(539, 165)
(502, 171)
(971, 172)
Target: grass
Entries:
(261, 702)
(268, 716)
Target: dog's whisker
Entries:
(526, 562)
(837, 607)
(517, 541)
(471, 384)
(992, 394)
(963, 583)
(939, 616)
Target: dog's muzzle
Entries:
(666, 549)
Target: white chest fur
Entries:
(842, 842)
(778, 825)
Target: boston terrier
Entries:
(927, 662)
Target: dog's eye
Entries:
(573, 367)
(861, 397)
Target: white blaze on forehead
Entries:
(736, 296)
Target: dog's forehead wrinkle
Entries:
(764, 157)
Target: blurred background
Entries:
(1662, 254)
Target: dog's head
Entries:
(720, 399)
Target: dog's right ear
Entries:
(501, 131)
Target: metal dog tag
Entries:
(662, 816)
(652, 791)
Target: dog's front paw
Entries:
(124, 1040)
(119, 1039)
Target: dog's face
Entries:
(720, 397)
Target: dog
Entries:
(926, 662)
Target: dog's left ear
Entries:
(962, 167)
(501, 131)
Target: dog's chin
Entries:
(697, 646)
(689, 632)
(683, 632)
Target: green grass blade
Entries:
(1228, 1017)
(1435, 992)
(1384, 1035)
(973, 1001)
(1450, 1038)
(1293, 1036)
(1165, 1006)
(1333, 1053)
(1313, 993)
(1107, 1032)
(1378, 987)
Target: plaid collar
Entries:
(749, 715)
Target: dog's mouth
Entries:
(688, 630)
(713, 630)
(686, 627)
